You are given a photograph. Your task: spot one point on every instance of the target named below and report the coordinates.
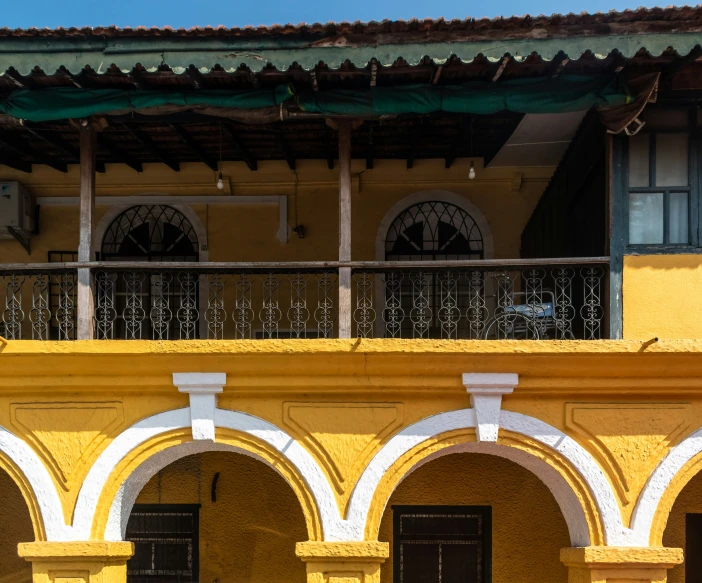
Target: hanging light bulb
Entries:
(220, 182)
(471, 172)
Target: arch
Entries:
(117, 476)
(578, 484)
(434, 195)
(116, 210)
(663, 486)
(27, 470)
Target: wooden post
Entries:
(85, 305)
(345, 227)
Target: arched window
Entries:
(150, 233)
(144, 303)
(433, 230)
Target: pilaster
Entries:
(77, 562)
(620, 564)
(343, 562)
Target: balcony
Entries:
(535, 299)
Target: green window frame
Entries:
(663, 196)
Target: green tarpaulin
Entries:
(537, 95)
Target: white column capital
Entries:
(203, 388)
(486, 390)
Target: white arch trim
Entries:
(29, 463)
(659, 481)
(333, 527)
(440, 195)
(614, 531)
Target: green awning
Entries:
(535, 95)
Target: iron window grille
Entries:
(442, 544)
(65, 286)
(152, 233)
(166, 543)
(431, 231)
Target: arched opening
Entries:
(151, 233)
(216, 516)
(15, 527)
(684, 530)
(475, 513)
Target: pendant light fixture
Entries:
(220, 181)
(471, 172)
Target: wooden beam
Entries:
(285, 151)
(500, 68)
(145, 140)
(437, 75)
(21, 148)
(558, 65)
(116, 153)
(85, 311)
(194, 146)
(243, 151)
(15, 79)
(370, 157)
(416, 135)
(20, 165)
(345, 311)
(327, 146)
(374, 74)
(463, 133)
(670, 70)
(66, 74)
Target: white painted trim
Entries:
(39, 479)
(486, 390)
(203, 389)
(659, 482)
(440, 195)
(333, 527)
(412, 436)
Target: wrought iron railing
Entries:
(520, 299)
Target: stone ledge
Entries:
(621, 557)
(343, 551)
(76, 551)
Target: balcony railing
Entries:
(560, 299)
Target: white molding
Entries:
(446, 196)
(203, 389)
(659, 482)
(39, 479)
(431, 427)
(486, 390)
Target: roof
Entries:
(645, 32)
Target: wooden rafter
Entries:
(239, 146)
(284, 150)
(118, 154)
(194, 146)
(20, 146)
(145, 140)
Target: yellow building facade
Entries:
(385, 363)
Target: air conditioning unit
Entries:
(16, 213)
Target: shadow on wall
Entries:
(15, 527)
(528, 529)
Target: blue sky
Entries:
(186, 13)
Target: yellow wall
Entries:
(15, 527)
(249, 534)
(528, 527)
(688, 501)
(248, 233)
(661, 296)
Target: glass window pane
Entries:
(671, 160)
(646, 218)
(638, 159)
(679, 218)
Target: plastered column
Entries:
(620, 564)
(77, 562)
(343, 562)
